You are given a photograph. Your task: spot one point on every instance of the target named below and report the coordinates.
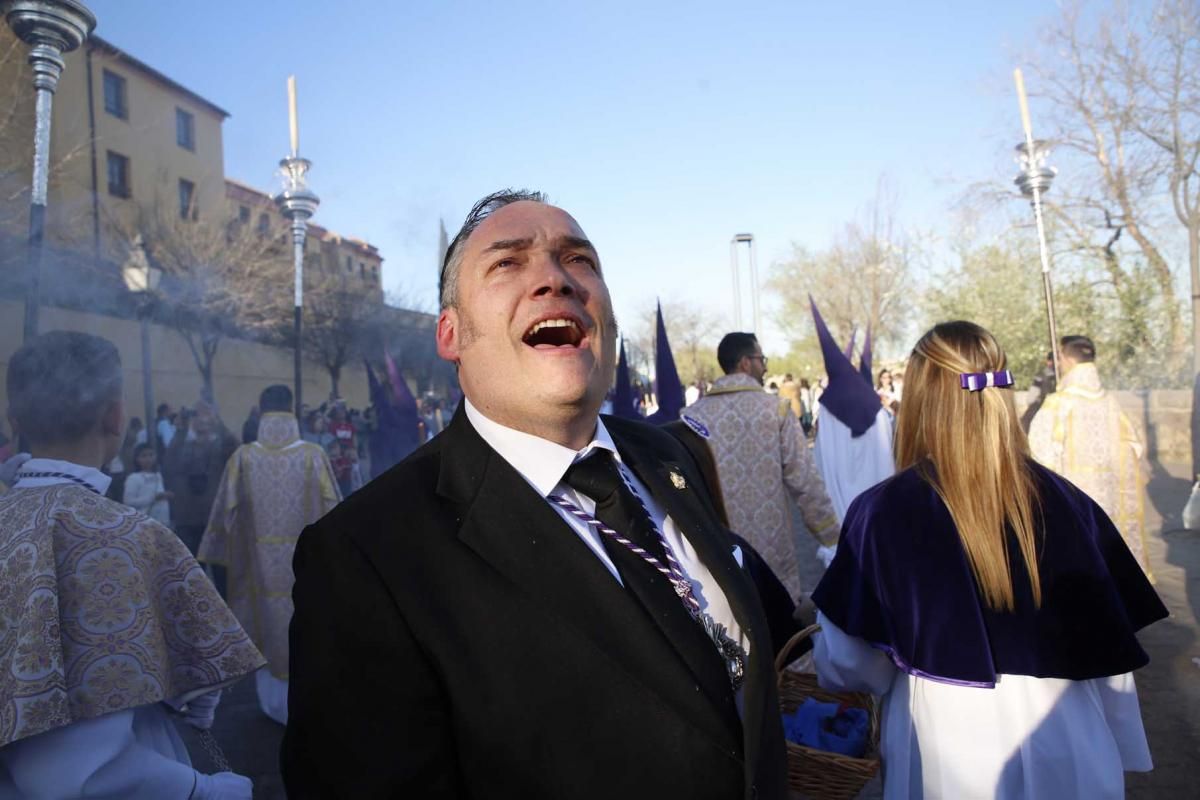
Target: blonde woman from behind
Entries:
(988, 601)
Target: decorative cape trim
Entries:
(102, 609)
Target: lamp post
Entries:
(51, 28)
(141, 280)
(748, 239)
(1034, 180)
(296, 203)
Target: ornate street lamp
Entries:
(296, 203)
(50, 28)
(141, 279)
(1034, 181)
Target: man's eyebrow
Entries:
(525, 244)
(576, 241)
(508, 244)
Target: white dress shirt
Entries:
(543, 464)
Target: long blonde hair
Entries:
(970, 447)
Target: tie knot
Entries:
(596, 476)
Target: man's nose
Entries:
(551, 278)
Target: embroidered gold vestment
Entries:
(270, 490)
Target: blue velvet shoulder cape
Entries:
(902, 582)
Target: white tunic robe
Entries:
(1031, 738)
(851, 465)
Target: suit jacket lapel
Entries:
(686, 508)
(522, 537)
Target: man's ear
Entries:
(448, 344)
(112, 418)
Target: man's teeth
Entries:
(553, 323)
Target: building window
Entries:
(362, 270)
(185, 129)
(374, 273)
(115, 100)
(118, 175)
(244, 215)
(264, 224)
(349, 264)
(187, 197)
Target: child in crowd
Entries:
(144, 489)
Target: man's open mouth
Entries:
(550, 333)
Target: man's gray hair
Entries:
(60, 384)
(448, 280)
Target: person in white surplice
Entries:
(990, 603)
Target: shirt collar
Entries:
(539, 461)
(92, 476)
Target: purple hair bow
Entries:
(978, 381)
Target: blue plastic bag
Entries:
(832, 727)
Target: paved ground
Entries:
(1169, 687)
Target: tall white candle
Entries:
(1020, 81)
(293, 118)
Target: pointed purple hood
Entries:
(849, 398)
(622, 399)
(864, 364)
(667, 387)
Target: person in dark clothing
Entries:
(192, 469)
(479, 622)
(250, 426)
(1043, 386)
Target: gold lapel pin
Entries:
(678, 480)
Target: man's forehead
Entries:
(524, 220)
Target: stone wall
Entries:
(242, 369)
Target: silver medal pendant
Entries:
(731, 652)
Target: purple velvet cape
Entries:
(902, 582)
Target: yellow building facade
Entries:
(130, 148)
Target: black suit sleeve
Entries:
(358, 729)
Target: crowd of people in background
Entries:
(803, 394)
(175, 480)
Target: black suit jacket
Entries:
(454, 638)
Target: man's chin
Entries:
(570, 389)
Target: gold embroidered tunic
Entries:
(1081, 433)
(270, 491)
(102, 610)
(765, 469)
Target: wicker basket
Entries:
(818, 773)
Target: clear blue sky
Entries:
(664, 127)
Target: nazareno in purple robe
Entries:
(901, 581)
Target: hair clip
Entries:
(978, 381)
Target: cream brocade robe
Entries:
(1081, 433)
(270, 491)
(765, 466)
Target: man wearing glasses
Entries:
(763, 460)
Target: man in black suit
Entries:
(539, 603)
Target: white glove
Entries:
(826, 554)
(1191, 511)
(8, 469)
(222, 786)
(201, 710)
